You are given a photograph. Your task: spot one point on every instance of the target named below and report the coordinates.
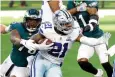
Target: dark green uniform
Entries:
(84, 17)
(19, 57)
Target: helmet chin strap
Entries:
(59, 32)
(30, 29)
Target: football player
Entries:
(63, 32)
(88, 21)
(16, 63)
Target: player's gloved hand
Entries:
(29, 44)
(106, 36)
(44, 47)
(82, 7)
(88, 28)
(111, 51)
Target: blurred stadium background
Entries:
(70, 67)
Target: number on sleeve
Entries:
(82, 19)
(48, 25)
(21, 48)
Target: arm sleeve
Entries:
(90, 41)
(11, 27)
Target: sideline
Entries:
(20, 13)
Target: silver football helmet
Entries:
(63, 21)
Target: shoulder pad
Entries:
(14, 25)
(45, 27)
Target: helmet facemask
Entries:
(32, 24)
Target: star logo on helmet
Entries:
(57, 15)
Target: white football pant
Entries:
(86, 51)
(41, 67)
(15, 70)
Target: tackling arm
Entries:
(4, 29)
(93, 41)
(37, 37)
(40, 43)
(15, 37)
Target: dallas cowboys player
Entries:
(63, 32)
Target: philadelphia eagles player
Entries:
(63, 32)
(88, 21)
(16, 63)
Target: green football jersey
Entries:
(84, 17)
(19, 54)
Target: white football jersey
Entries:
(47, 13)
(62, 43)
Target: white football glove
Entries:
(82, 7)
(111, 51)
(43, 46)
(29, 44)
(105, 38)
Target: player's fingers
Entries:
(44, 42)
(50, 45)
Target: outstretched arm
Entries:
(94, 41)
(54, 5)
(4, 29)
(15, 37)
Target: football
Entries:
(48, 41)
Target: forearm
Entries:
(54, 5)
(73, 11)
(15, 37)
(15, 41)
(3, 29)
(90, 41)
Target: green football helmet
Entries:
(77, 2)
(32, 19)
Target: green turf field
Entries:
(70, 67)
